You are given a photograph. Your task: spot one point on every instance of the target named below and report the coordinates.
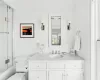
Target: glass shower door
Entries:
(3, 52)
(3, 37)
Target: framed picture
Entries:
(26, 30)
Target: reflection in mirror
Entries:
(56, 30)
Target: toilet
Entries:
(21, 72)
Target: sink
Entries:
(55, 56)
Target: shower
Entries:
(6, 36)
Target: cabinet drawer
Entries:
(37, 75)
(37, 65)
(74, 64)
(55, 65)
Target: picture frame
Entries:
(26, 30)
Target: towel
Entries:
(77, 45)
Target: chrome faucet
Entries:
(59, 52)
(55, 52)
(52, 51)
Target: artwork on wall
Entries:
(26, 30)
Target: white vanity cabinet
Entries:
(56, 75)
(56, 70)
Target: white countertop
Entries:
(46, 57)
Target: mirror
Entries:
(56, 30)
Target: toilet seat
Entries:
(17, 76)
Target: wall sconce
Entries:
(42, 26)
(68, 26)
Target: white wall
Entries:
(97, 5)
(98, 60)
(35, 11)
(82, 18)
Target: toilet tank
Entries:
(21, 67)
(21, 63)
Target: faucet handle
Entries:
(59, 52)
(52, 51)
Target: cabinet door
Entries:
(56, 75)
(74, 75)
(37, 75)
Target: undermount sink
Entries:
(55, 56)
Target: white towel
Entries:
(77, 45)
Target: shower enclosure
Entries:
(6, 36)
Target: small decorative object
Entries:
(42, 26)
(42, 48)
(26, 30)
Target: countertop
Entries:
(46, 57)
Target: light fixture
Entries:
(42, 26)
(69, 25)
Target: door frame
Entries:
(94, 36)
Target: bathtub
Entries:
(8, 73)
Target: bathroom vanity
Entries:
(69, 67)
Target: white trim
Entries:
(96, 16)
(93, 39)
